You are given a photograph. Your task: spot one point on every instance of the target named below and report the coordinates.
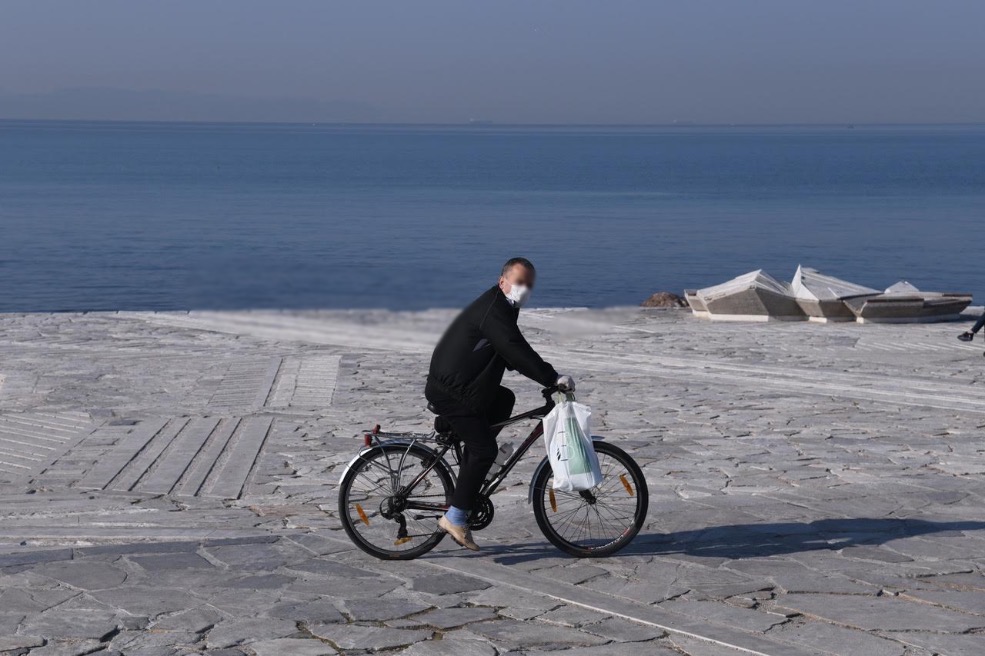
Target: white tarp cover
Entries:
(758, 279)
(902, 287)
(811, 284)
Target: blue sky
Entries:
(570, 61)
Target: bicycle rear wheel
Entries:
(597, 522)
(376, 519)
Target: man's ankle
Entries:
(457, 516)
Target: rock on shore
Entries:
(664, 300)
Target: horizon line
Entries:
(494, 124)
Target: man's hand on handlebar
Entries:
(565, 384)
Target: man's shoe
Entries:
(460, 534)
(966, 336)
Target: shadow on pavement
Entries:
(758, 540)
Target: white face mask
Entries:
(518, 294)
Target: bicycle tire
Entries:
(541, 496)
(345, 489)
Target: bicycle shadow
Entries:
(759, 540)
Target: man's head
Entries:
(517, 279)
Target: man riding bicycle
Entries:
(463, 383)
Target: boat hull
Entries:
(909, 308)
(754, 305)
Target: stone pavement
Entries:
(167, 487)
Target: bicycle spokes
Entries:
(394, 499)
(600, 519)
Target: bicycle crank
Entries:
(482, 513)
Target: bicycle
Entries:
(393, 492)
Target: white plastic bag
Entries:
(569, 447)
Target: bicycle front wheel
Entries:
(597, 522)
(378, 518)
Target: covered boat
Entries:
(904, 303)
(823, 297)
(755, 296)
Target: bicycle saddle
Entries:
(441, 425)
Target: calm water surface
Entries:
(176, 216)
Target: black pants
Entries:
(479, 437)
(979, 324)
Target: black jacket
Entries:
(468, 363)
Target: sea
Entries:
(175, 216)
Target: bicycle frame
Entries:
(490, 485)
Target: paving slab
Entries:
(814, 489)
(882, 612)
(451, 618)
(355, 636)
(292, 646)
(230, 633)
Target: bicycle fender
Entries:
(348, 466)
(547, 463)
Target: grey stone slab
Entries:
(32, 557)
(575, 575)
(84, 574)
(248, 557)
(529, 604)
(170, 562)
(150, 600)
(261, 582)
(13, 642)
(450, 618)
(832, 639)
(512, 635)
(356, 636)
(251, 539)
(34, 599)
(109, 467)
(940, 644)
(292, 647)
(576, 616)
(694, 646)
(319, 544)
(655, 647)
(246, 384)
(377, 610)
(245, 445)
(137, 548)
(148, 643)
(451, 644)
(332, 569)
(67, 648)
(203, 464)
(239, 603)
(178, 457)
(620, 630)
(883, 612)
(230, 633)
(138, 468)
(320, 611)
(745, 619)
(965, 601)
(448, 584)
(193, 620)
(10, 619)
(67, 623)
